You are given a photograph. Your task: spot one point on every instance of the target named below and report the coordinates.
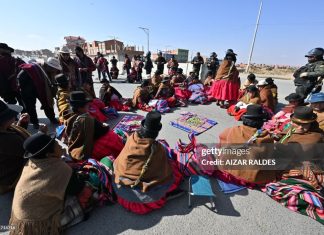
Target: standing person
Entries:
(62, 96)
(138, 64)
(160, 62)
(69, 67)
(225, 89)
(274, 89)
(127, 64)
(38, 82)
(95, 61)
(114, 71)
(306, 77)
(197, 61)
(102, 65)
(148, 65)
(85, 65)
(213, 64)
(172, 66)
(8, 74)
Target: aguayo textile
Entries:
(299, 196)
(129, 123)
(191, 122)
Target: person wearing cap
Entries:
(317, 103)
(225, 89)
(85, 65)
(46, 180)
(212, 64)
(69, 67)
(160, 62)
(266, 96)
(281, 120)
(274, 89)
(9, 68)
(172, 66)
(259, 142)
(144, 176)
(142, 96)
(12, 137)
(148, 64)
(38, 82)
(251, 97)
(196, 62)
(87, 137)
(311, 74)
(62, 96)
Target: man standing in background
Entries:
(197, 61)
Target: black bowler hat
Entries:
(230, 51)
(269, 80)
(79, 97)
(303, 114)
(61, 80)
(37, 145)
(152, 122)
(254, 111)
(4, 46)
(6, 113)
(252, 88)
(294, 97)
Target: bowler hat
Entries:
(294, 97)
(5, 47)
(38, 145)
(61, 80)
(64, 50)
(269, 80)
(262, 83)
(230, 51)
(79, 97)
(316, 98)
(54, 63)
(254, 111)
(152, 122)
(6, 113)
(303, 114)
(252, 88)
(179, 70)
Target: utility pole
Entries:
(254, 36)
(147, 32)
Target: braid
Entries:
(145, 167)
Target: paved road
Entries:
(246, 212)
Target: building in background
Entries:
(181, 55)
(72, 41)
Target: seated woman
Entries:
(317, 103)
(274, 89)
(156, 79)
(96, 106)
(42, 188)
(266, 96)
(142, 96)
(209, 79)
(178, 79)
(143, 174)
(197, 90)
(305, 132)
(111, 97)
(249, 134)
(12, 137)
(62, 96)
(251, 80)
(251, 97)
(281, 120)
(87, 137)
(166, 92)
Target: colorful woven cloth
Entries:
(129, 123)
(193, 123)
(299, 196)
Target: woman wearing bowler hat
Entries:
(87, 137)
(143, 174)
(40, 193)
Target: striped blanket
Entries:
(299, 196)
(129, 123)
(193, 123)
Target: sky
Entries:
(288, 28)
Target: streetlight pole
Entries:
(147, 31)
(254, 36)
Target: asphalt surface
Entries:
(245, 212)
